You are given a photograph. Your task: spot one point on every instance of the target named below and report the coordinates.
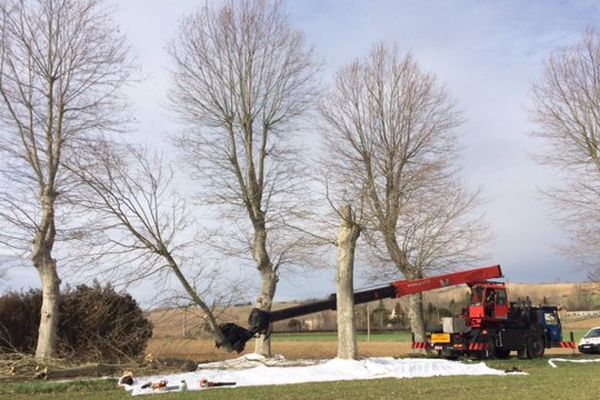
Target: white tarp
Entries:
(553, 361)
(254, 370)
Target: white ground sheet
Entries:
(255, 370)
(553, 361)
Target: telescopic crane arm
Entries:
(261, 322)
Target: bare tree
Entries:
(566, 109)
(62, 65)
(390, 131)
(146, 227)
(241, 77)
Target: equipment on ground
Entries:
(490, 326)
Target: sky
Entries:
(487, 53)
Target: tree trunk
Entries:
(47, 332)
(212, 322)
(417, 323)
(46, 267)
(347, 236)
(264, 301)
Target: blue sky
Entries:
(486, 53)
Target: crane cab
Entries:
(489, 301)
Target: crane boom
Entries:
(393, 290)
(261, 322)
(406, 287)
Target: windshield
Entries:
(550, 319)
(476, 295)
(501, 297)
(593, 333)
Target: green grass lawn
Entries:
(568, 381)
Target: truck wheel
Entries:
(535, 347)
(431, 352)
(490, 349)
(502, 353)
(451, 355)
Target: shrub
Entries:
(19, 320)
(95, 323)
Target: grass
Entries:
(568, 381)
(578, 333)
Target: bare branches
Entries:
(62, 67)
(567, 112)
(241, 78)
(390, 132)
(144, 223)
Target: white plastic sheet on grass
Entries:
(255, 370)
(553, 361)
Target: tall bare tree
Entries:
(390, 131)
(241, 77)
(146, 229)
(62, 64)
(566, 109)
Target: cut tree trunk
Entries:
(347, 236)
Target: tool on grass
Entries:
(205, 383)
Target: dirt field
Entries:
(585, 324)
(204, 351)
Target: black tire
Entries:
(452, 356)
(502, 353)
(535, 347)
(476, 355)
(490, 350)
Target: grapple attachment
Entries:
(260, 322)
(235, 337)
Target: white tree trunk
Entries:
(417, 323)
(47, 332)
(262, 345)
(347, 236)
(46, 267)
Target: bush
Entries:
(19, 320)
(95, 323)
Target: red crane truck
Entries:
(490, 326)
